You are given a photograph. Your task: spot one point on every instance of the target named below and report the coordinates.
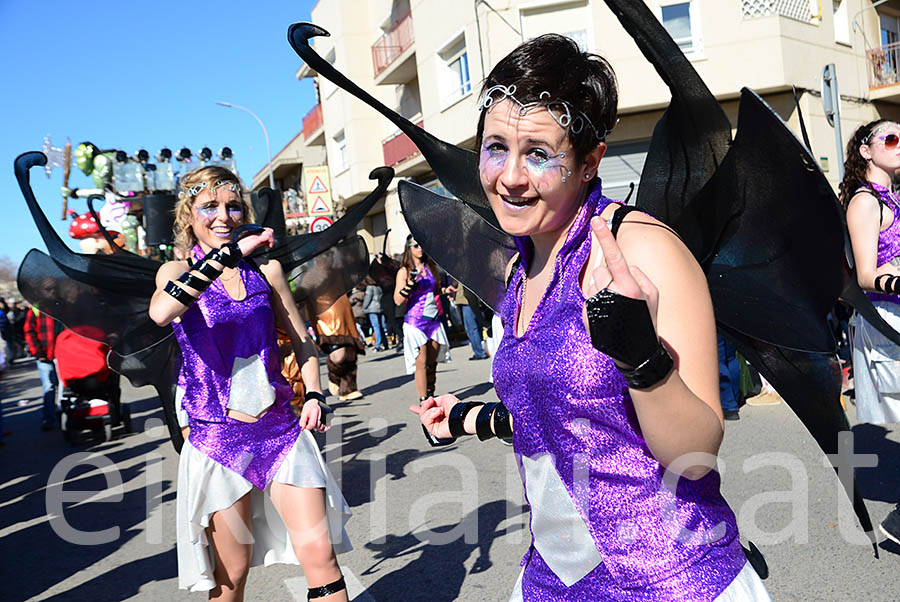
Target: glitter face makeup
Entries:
(526, 168)
(216, 215)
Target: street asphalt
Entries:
(429, 525)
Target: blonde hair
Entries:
(211, 176)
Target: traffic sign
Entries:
(319, 207)
(319, 224)
(317, 186)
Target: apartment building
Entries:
(427, 59)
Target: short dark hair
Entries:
(555, 64)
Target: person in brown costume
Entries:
(336, 331)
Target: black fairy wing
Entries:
(773, 277)
(110, 293)
(689, 141)
(101, 297)
(430, 217)
(295, 250)
(321, 281)
(455, 167)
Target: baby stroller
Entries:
(89, 392)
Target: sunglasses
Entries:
(414, 245)
(890, 141)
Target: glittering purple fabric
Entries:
(212, 333)
(570, 401)
(888, 239)
(424, 299)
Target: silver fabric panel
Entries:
(560, 533)
(251, 392)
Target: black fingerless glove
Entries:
(621, 327)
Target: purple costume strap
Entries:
(231, 362)
(889, 238)
(605, 524)
(423, 309)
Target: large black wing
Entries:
(689, 141)
(296, 250)
(767, 230)
(321, 281)
(453, 230)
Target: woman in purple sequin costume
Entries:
(617, 458)
(252, 486)
(424, 337)
(873, 220)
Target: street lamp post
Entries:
(265, 132)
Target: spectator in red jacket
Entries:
(40, 335)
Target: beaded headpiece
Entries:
(198, 188)
(564, 114)
(880, 128)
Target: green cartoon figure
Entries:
(95, 163)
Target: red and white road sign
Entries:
(319, 224)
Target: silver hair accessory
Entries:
(880, 128)
(565, 115)
(198, 188)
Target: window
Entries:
(325, 86)
(454, 71)
(340, 152)
(571, 19)
(682, 21)
(841, 22)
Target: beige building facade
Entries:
(426, 59)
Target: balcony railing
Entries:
(392, 44)
(399, 147)
(884, 64)
(793, 9)
(312, 121)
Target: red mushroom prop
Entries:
(84, 228)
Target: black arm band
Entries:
(207, 269)
(228, 254)
(179, 294)
(502, 424)
(887, 283)
(483, 421)
(458, 414)
(198, 284)
(314, 395)
(404, 292)
(651, 372)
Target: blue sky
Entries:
(141, 75)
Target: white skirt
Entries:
(205, 487)
(413, 338)
(746, 587)
(876, 368)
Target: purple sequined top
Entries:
(889, 238)
(231, 362)
(423, 307)
(624, 535)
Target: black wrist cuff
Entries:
(179, 294)
(198, 284)
(621, 327)
(405, 293)
(651, 371)
(314, 395)
(886, 283)
(483, 421)
(502, 424)
(457, 418)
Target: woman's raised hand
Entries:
(610, 271)
(434, 413)
(251, 242)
